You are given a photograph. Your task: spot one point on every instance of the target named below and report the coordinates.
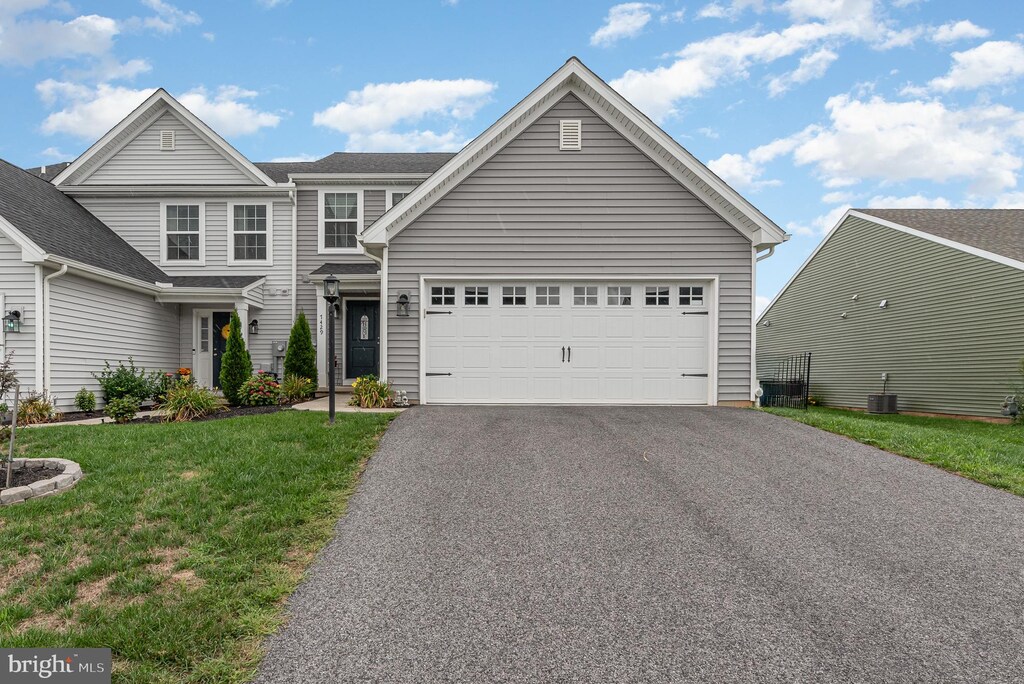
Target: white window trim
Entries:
(321, 249)
(164, 261)
(232, 261)
(389, 202)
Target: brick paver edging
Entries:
(66, 475)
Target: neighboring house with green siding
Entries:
(934, 298)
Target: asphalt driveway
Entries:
(543, 544)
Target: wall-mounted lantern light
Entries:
(403, 304)
(12, 321)
(254, 327)
(884, 304)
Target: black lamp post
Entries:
(330, 296)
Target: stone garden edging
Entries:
(67, 475)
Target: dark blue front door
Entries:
(362, 338)
(221, 329)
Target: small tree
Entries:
(236, 364)
(300, 357)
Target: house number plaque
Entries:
(364, 327)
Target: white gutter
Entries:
(294, 194)
(47, 375)
(383, 322)
(38, 313)
(771, 250)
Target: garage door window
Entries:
(656, 295)
(476, 295)
(691, 295)
(442, 295)
(584, 295)
(549, 295)
(513, 295)
(620, 295)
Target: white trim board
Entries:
(574, 77)
(852, 213)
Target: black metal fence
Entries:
(786, 381)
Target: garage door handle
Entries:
(435, 313)
(570, 354)
(695, 313)
(434, 375)
(695, 375)
(563, 354)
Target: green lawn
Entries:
(987, 452)
(179, 546)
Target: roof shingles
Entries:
(999, 231)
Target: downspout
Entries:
(771, 250)
(294, 195)
(47, 374)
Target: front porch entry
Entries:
(357, 329)
(211, 328)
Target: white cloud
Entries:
(708, 132)
(227, 112)
(89, 112)
(993, 63)
(54, 153)
(762, 303)
(736, 170)
(168, 18)
(730, 10)
(626, 20)
(812, 66)
(210, 36)
(839, 196)
(959, 30)
(1010, 200)
(30, 41)
(820, 225)
(909, 202)
(297, 158)
(674, 17)
(369, 116)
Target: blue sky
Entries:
(805, 106)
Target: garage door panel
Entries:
(620, 353)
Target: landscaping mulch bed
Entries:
(227, 412)
(25, 476)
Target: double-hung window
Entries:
(340, 221)
(250, 233)
(396, 196)
(183, 235)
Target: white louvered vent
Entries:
(166, 141)
(570, 134)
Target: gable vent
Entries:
(166, 141)
(570, 134)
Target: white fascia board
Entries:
(102, 275)
(976, 251)
(200, 128)
(30, 251)
(394, 221)
(367, 178)
(278, 191)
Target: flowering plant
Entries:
(368, 391)
(260, 389)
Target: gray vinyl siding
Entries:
(308, 240)
(950, 338)
(138, 222)
(606, 210)
(94, 322)
(17, 284)
(194, 160)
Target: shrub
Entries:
(122, 409)
(300, 356)
(37, 408)
(127, 381)
(370, 392)
(236, 364)
(296, 388)
(260, 390)
(187, 401)
(8, 375)
(85, 400)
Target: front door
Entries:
(221, 329)
(362, 338)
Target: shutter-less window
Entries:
(570, 134)
(166, 141)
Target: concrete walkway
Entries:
(569, 544)
(341, 405)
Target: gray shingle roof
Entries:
(1000, 231)
(61, 226)
(360, 162)
(229, 282)
(347, 269)
(50, 171)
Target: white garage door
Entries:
(582, 342)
